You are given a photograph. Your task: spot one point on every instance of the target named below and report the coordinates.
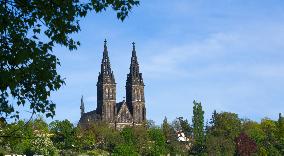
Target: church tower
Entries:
(135, 90)
(106, 89)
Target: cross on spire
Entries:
(134, 66)
(105, 45)
(133, 51)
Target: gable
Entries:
(124, 115)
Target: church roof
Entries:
(120, 104)
(123, 113)
(90, 116)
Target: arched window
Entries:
(113, 93)
(106, 93)
(135, 94)
(140, 95)
(110, 93)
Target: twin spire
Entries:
(106, 67)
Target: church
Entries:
(129, 112)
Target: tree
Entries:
(128, 136)
(254, 131)
(245, 145)
(270, 142)
(166, 128)
(280, 125)
(85, 139)
(198, 127)
(173, 146)
(185, 126)
(63, 134)
(124, 150)
(220, 138)
(33, 139)
(28, 32)
(157, 143)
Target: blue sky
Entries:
(227, 54)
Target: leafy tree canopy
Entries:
(63, 133)
(29, 30)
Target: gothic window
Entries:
(110, 93)
(140, 95)
(106, 95)
(135, 94)
(109, 113)
(138, 111)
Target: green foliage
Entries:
(42, 144)
(85, 139)
(173, 146)
(219, 145)
(280, 125)
(28, 138)
(128, 136)
(125, 150)
(166, 128)
(99, 135)
(141, 139)
(221, 135)
(270, 143)
(198, 127)
(157, 142)
(254, 131)
(29, 31)
(185, 126)
(222, 138)
(63, 134)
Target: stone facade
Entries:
(126, 113)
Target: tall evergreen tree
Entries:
(166, 128)
(198, 126)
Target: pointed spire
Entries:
(134, 74)
(134, 66)
(105, 66)
(82, 107)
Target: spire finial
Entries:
(133, 50)
(133, 45)
(105, 43)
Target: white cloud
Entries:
(239, 51)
